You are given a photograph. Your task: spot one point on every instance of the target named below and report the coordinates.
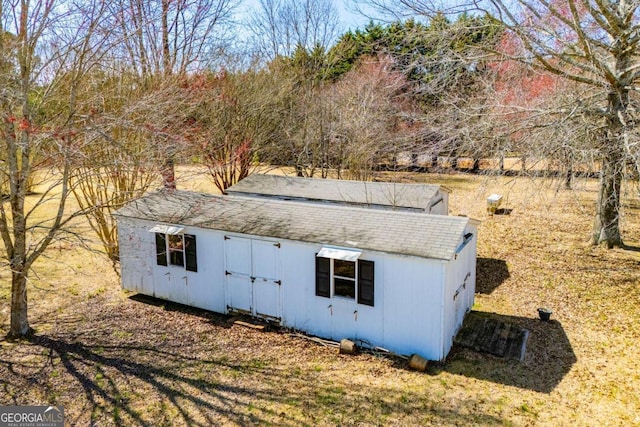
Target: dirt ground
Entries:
(114, 358)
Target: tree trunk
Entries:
(568, 178)
(19, 319)
(606, 228)
(166, 52)
(476, 166)
(168, 174)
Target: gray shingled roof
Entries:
(382, 194)
(407, 233)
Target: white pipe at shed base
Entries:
(417, 363)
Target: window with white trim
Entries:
(177, 249)
(345, 279)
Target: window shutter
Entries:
(323, 277)
(190, 252)
(365, 282)
(161, 249)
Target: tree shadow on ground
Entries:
(105, 380)
(106, 389)
(548, 358)
(166, 384)
(490, 273)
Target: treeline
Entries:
(346, 108)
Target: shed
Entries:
(426, 198)
(393, 279)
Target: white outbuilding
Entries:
(384, 278)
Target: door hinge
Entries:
(226, 237)
(253, 279)
(227, 272)
(277, 245)
(278, 282)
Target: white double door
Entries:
(252, 277)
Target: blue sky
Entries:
(349, 19)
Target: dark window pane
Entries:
(323, 277)
(344, 288)
(344, 268)
(161, 249)
(176, 258)
(190, 252)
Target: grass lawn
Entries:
(112, 358)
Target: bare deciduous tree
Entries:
(280, 26)
(118, 165)
(161, 40)
(593, 44)
(400, 9)
(165, 37)
(231, 119)
(369, 111)
(42, 59)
